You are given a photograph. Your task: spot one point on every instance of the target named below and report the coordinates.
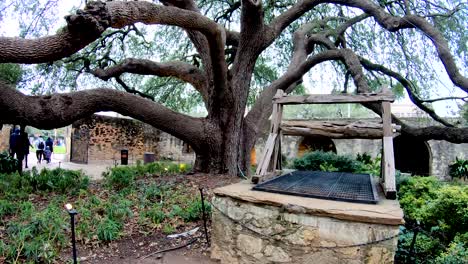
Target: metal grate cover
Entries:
(339, 186)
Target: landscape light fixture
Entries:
(72, 212)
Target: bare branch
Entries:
(409, 87)
(131, 90)
(464, 99)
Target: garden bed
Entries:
(118, 221)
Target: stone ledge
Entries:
(386, 212)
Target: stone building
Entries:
(101, 138)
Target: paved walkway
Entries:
(94, 169)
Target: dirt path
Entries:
(182, 256)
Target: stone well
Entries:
(259, 227)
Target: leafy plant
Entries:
(459, 169)
(368, 164)
(327, 167)
(440, 212)
(58, 180)
(313, 160)
(108, 230)
(6, 208)
(8, 164)
(168, 229)
(155, 214)
(120, 177)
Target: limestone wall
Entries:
(444, 153)
(247, 233)
(5, 138)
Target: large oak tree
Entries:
(224, 63)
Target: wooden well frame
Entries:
(270, 161)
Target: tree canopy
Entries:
(156, 61)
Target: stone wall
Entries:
(442, 153)
(5, 138)
(247, 233)
(107, 136)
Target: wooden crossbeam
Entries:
(335, 129)
(334, 98)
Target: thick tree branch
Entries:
(59, 110)
(251, 31)
(82, 29)
(116, 15)
(387, 21)
(180, 70)
(408, 87)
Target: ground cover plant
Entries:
(438, 213)
(34, 227)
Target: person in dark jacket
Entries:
(40, 150)
(14, 141)
(25, 144)
(50, 143)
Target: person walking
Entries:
(16, 149)
(40, 149)
(47, 154)
(25, 144)
(49, 143)
(14, 141)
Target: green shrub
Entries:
(155, 214)
(369, 165)
(441, 212)
(415, 193)
(58, 180)
(194, 211)
(108, 230)
(459, 169)
(6, 208)
(120, 177)
(8, 164)
(168, 229)
(313, 160)
(457, 251)
(119, 208)
(124, 176)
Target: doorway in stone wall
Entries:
(79, 145)
(412, 155)
(315, 143)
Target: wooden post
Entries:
(276, 124)
(388, 159)
(269, 159)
